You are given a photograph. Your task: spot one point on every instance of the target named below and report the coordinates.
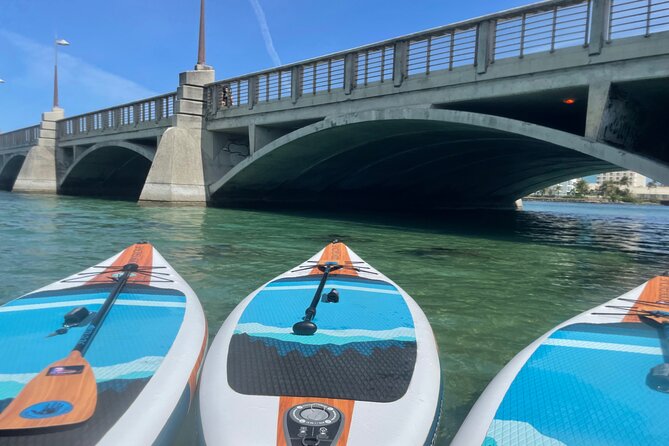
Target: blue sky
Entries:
(124, 50)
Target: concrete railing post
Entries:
(295, 84)
(400, 62)
(485, 38)
(349, 73)
(213, 98)
(159, 110)
(253, 92)
(599, 29)
(135, 113)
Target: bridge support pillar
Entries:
(38, 173)
(260, 136)
(177, 173)
(598, 99)
(614, 117)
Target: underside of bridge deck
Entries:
(107, 171)
(10, 171)
(427, 159)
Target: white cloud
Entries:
(266, 35)
(93, 83)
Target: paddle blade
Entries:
(63, 393)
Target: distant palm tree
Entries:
(581, 188)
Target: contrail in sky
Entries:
(266, 35)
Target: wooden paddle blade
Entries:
(64, 393)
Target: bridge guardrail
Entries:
(19, 138)
(638, 17)
(542, 27)
(152, 112)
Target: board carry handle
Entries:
(306, 326)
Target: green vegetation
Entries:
(581, 189)
(616, 191)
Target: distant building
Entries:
(565, 188)
(651, 193)
(634, 179)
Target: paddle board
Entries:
(596, 379)
(368, 375)
(145, 356)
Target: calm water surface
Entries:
(490, 283)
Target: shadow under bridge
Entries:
(415, 158)
(9, 170)
(111, 169)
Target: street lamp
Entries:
(2, 81)
(201, 65)
(57, 43)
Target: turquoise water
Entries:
(490, 283)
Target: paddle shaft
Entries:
(310, 312)
(94, 326)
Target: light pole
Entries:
(2, 81)
(57, 43)
(201, 64)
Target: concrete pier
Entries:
(177, 172)
(38, 173)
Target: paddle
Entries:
(65, 392)
(306, 327)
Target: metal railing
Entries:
(19, 138)
(156, 111)
(638, 17)
(542, 27)
(435, 52)
(533, 32)
(374, 65)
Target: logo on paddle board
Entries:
(47, 409)
(65, 370)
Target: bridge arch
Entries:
(9, 170)
(115, 168)
(425, 158)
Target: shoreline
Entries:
(591, 200)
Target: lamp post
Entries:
(201, 64)
(57, 43)
(2, 81)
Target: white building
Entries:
(634, 179)
(565, 188)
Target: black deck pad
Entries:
(371, 371)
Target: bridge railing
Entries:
(152, 112)
(542, 27)
(19, 138)
(638, 17)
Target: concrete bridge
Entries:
(473, 114)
